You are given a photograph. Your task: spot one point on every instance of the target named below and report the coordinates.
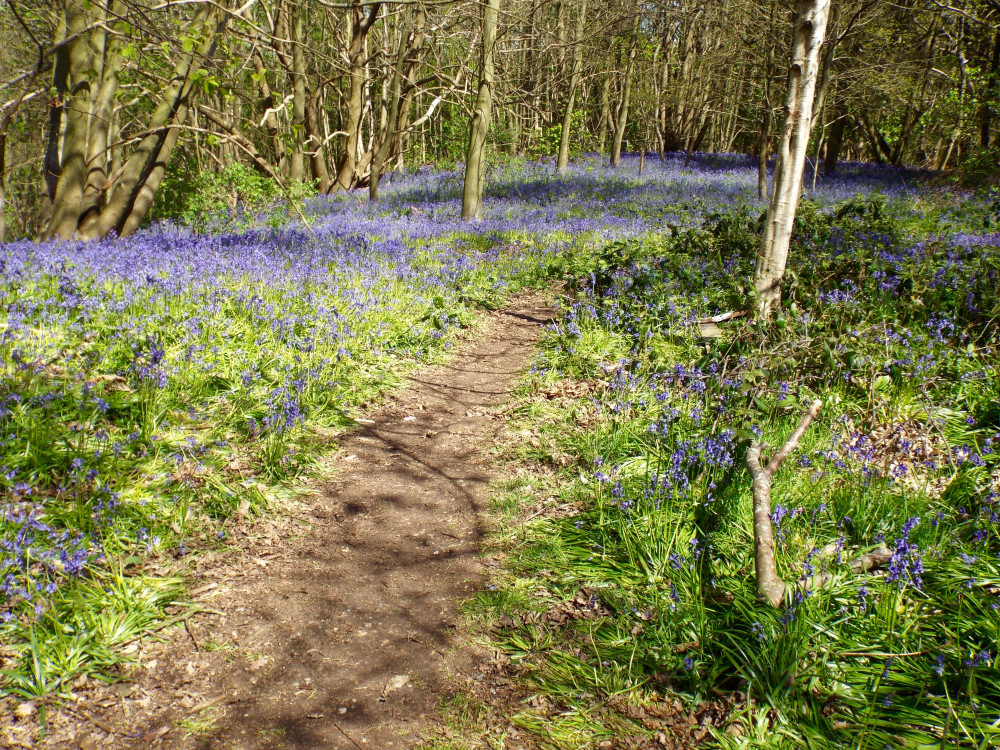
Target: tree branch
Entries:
(770, 588)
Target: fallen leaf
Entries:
(396, 683)
(122, 690)
(25, 710)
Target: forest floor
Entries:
(526, 537)
(337, 626)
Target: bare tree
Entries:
(621, 116)
(479, 125)
(810, 29)
(562, 160)
(361, 21)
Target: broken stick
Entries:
(770, 587)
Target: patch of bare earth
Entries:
(337, 627)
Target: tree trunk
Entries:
(57, 105)
(347, 174)
(695, 145)
(763, 152)
(3, 179)
(602, 128)
(270, 119)
(92, 75)
(764, 146)
(991, 85)
(770, 588)
(314, 146)
(943, 163)
(297, 172)
(479, 127)
(810, 29)
(3, 186)
(102, 116)
(73, 165)
(826, 70)
(410, 41)
(141, 174)
(833, 145)
(562, 162)
(622, 119)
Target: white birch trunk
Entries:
(810, 29)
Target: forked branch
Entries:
(770, 587)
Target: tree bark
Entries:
(410, 42)
(562, 162)
(479, 126)
(270, 119)
(102, 117)
(347, 173)
(73, 164)
(621, 121)
(764, 145)
(78, 203)
(763, 152)
(297, 172)
(142, 172)
(834, 143)
(770, 587)
(695, 144)
(605, 116)
(57, 105)
(8, 116)
(986, 117)
(785, 194)
(314, 145)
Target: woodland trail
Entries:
(341, 634)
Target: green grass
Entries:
(145, 420)
(901, 346)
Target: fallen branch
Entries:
(770, 587)
(861, 564)
(722, 317)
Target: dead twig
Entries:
(191, 612)
(187, 627)
(341, 730)
(770, 587)
(81, 714)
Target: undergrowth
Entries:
(640, 589)
(154, 391)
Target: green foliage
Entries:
(237, 197)
(981, 167)
(897, 336)
(160, 408)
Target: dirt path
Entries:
(342, 636)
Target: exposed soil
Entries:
(338, 626)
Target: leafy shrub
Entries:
(897, 335)
(236, 197)
(980, 167)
